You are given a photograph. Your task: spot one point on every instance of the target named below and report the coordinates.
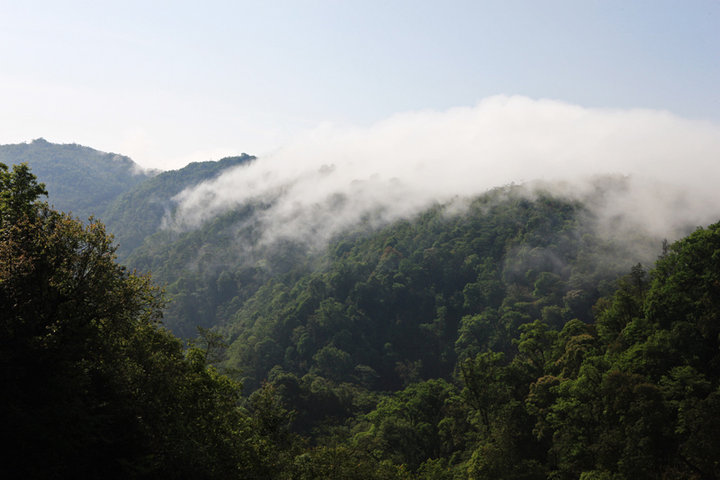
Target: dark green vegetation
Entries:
(505, 342)
(85, 182)
(79, 179)
(139, 212)
(93, 387)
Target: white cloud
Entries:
(403, 164)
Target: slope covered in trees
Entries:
(93, 387)
(501, 342)
(544, 376)
(632, 395)
(495, 342)
(139, 212)
(413, 282)
(79, 179)
(406, 302)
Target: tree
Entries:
(93, 386)
(18, 192)
(421, 422)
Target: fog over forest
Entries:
(468, 240)
(337, 176)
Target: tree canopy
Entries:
(499, 344)
(93, 386)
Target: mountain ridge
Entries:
(79, 179)
(138, 213)
(130, 200)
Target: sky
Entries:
(167, 83)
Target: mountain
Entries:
(222, 275)
(508, 335)
(132, 202)
(407, 302)
(139, 212)
(508, 339)
(78, 179)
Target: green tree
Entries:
(93, 386)
(19, 192)
(421, 422)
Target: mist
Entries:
(335, 177)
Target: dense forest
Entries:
(139, 212)
(505, 341)
(78, 179)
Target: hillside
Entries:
(405, 303)
(78, 179)
(139, 212)
(506, 340)
(111, 187)
(502, 337)
(213, 272)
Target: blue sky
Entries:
(171, 82)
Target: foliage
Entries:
(495, 343)
(92, 385)
(78, 179)
(533, 388)
(405, 303)
(139, 212)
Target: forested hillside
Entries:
(79, 179)
(139, 212)
(405, 303)
(508, 340)
(93, 387)
(455, 261)
(85, 182)
(504, 340)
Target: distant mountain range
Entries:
(130, 200)
(79, 180)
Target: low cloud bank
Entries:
(336, 177)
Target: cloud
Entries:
(335, 177)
